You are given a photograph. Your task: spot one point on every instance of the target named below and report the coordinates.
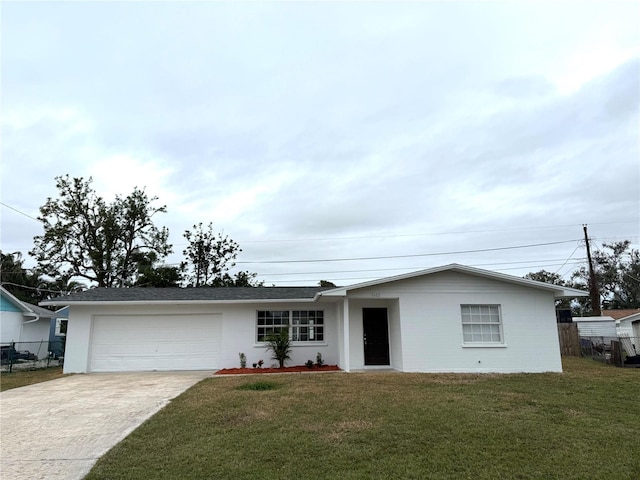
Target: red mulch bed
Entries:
(295, 369)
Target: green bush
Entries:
(280, 344)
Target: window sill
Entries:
(484, 345)
(295, 344)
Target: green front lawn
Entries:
(579, 424)
(22, 378)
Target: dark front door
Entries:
(376, 336)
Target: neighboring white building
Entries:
(447, 319)
(25, 324)
(626, 320)
(602, 326)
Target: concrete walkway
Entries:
(59, 429)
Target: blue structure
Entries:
(57, 332)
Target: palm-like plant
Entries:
(280, 344)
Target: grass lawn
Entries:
(583, 423)
(21, 378)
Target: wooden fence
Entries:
(569, 339)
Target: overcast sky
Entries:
(395, 133)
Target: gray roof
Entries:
(42, 312)
(213, 294)
(27, 308)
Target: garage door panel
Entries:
(155, 342)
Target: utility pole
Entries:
(594, 294)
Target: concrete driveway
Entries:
(59, 429)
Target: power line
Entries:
(377, 277)
(544, 262)
(574, 251)
(32, 288)
(405, 256)
(21, 213)
(383, 236)
(333, 272)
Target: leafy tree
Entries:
(62, 286)
(240, 279)
(29, 285)
(326, 283)
(84, 236)
(210, 256)
(21, 282)
(617, 271)
(547, 277)
(161, 276)
(246, 279)
(153, 274)
(553, 279)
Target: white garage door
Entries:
(121, 343)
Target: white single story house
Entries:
(627, 321)
(25, 324)
(447, 319)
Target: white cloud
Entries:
(119, 174)
(331, 120)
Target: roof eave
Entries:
(559, 291)
(24, 306)
(176, 302)
(570, 293)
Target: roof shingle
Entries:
(139, 294)
(618, 314)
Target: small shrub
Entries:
(319, 360)
(280, 344)
(309, 364)
(243, 360)
(259, 364)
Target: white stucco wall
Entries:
(29, 336)
(430, 329)
(35, 337)
(626, 325)
(10, 326)
(238, 332)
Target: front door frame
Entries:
(375, 336)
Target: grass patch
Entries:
(579, 424)
(259, 386)
(23, 378)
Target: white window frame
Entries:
(307, 323)
(272, 322)
(481, 324)
(59, 332)
(299, 323)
